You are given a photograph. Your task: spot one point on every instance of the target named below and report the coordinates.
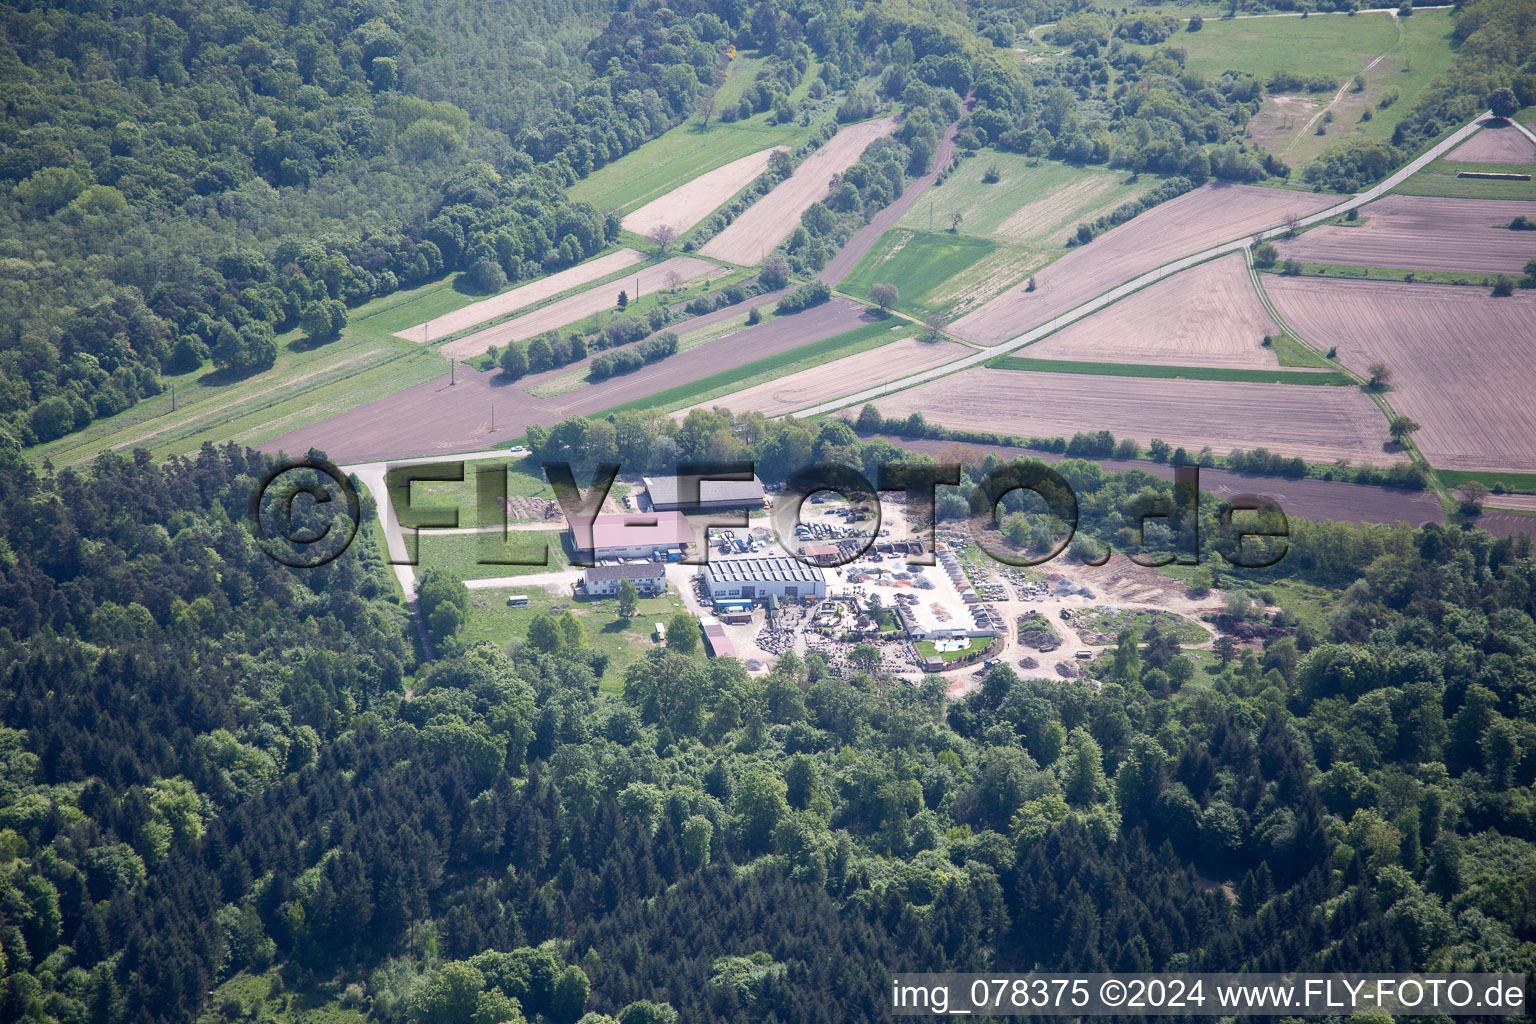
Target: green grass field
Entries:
(1520, 483)
(307, 384)
(920, 265)
(1168, 372)
(623, 641)
(681, 155)
(1036, 206)
(814, 354)
(472, 556)
(1332, 44)
(1439, 179)
(1354, 273)
(1284, 124)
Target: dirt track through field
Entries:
(770, 220)
(435, 418)
(1423, 233)
(1319, 424)
(808, 387)
(517, 298)
(1461, 361)
(1498, 143)
(582, 304)
(1195, 221)
(1208, 315)
(1311, 499)
(691, 202)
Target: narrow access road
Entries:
(1150, 277)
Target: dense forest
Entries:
(216, 767)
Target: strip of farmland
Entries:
(1423, 233)
(686, 205)
(1316, 424)
(574, 307)
(1461, 361)
(483, 407)
(808, 387)
(770, 220)
(517, 298)
(1195, 221)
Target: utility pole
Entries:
(425, 327)
(453, 377)
(173, 396)
(493, 417)
(930, 216)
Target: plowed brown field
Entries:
(1317, 423)
(1497, 143)
(1462, 362)
(769, 221)
(1180, 227)
(574, 307)
(1423, 233)
(1208, 315)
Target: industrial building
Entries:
(656, 537)
(649, 578)
(665, 494)
(720, 645)
(755, 579)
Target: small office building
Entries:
(649, 578)
(756, 579)
(665, 494)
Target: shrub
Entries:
(1266, 255)
(1504, 286)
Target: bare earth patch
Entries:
(1461, 361)
(1195, 221)
(1498, 143)
(1208, 315)
(680, 269)
(839, 377)
(1423, 233)
(770, 220)
(686, 205)
(1320, 424)
(517, 298)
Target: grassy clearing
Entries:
(477, 557)
(624, 642)
(681, 155)
(1354, 273)
(1181, 372)
(919, 265)
(737, 77)
(1100, 625)
(307, 384)
(1336, 45)
(1519, 483)
(1030, 204)
(814, 354)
